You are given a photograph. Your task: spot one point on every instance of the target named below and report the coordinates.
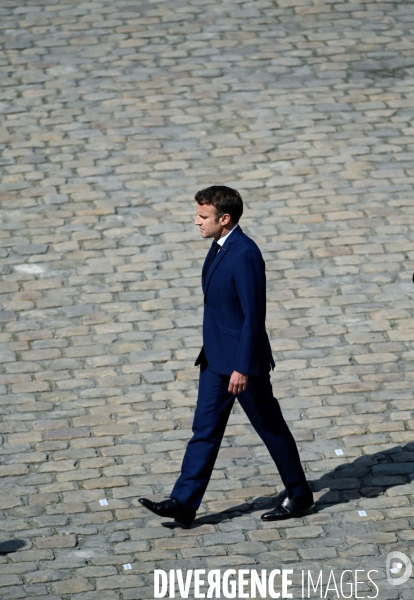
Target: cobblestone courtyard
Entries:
(112, 116)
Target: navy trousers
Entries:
(213, 408)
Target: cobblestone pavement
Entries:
(113, 114)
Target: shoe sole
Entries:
(183, 525)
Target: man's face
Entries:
(209, 225)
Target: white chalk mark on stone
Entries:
(31, 269)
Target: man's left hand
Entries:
(238, 383)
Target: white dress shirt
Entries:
(221, 240)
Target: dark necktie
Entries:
(215, 247)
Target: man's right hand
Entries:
(238, 383)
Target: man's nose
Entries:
(197, 221)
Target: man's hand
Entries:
(238, 383)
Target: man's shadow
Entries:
(11, 546)
(368, 476)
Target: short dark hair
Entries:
(224, 199)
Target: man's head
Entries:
(219, 209)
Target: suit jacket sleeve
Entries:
(250, 280)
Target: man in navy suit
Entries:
(234, 361)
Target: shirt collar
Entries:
(224, 238)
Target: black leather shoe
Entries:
(287, 507)
(172, 508)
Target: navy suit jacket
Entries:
(234, 334)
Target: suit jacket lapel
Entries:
(220, 255)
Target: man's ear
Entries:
(225, 219)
